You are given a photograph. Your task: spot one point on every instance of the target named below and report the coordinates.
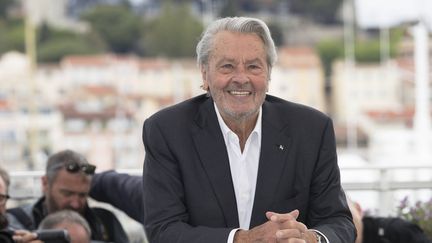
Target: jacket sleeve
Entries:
(122, 191)
(166, 217)
(329, 212)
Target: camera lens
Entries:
(6, 237)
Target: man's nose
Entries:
(75, 203)
(241, 75)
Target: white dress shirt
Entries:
(244, 168)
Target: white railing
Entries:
(378, 187)
(384, 187)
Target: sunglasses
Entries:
(74, 167)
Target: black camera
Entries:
(53, 235)
(6, 236)
(47, 236)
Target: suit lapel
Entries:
(275, 145)
(211, 148)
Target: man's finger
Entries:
(276, 217)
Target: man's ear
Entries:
(204, 77)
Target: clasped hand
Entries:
(281, 228)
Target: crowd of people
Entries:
(231, 165)
(64, 204)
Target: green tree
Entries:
(229, 9)
(276, 33)
(366, 50)
(11, 35)
(55, 49)
(329, 50)
(117, 25)
(323, 11)
(4, 6)
(54, 44)
(174, 33)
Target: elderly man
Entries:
(66, 185)
(236, 164)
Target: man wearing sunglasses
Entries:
(66, 185)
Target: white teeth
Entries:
(243, 93)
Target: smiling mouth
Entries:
(240, 93)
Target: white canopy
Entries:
(388, 13)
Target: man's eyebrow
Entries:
(232, 60)
(255, 60)
(225, 59)
(69, 191)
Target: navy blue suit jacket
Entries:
(121, 190)
(189, 194)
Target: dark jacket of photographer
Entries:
(392, 230)
(103, 223)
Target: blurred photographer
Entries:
(7, 235)
(384, 229)
(76, 226)
(66, 185)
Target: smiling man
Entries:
(236, 164)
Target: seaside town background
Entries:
(85, 74)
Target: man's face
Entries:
(237, 74)
(68, 191)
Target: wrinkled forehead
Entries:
(231, 45)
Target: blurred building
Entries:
(298, 76)
(28, 114)
(364, 87)
(93, 104)
(379, 101)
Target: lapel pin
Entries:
(281, 147)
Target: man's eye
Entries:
(67, 194)
(227, 66)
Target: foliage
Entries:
(60, 43)
(117, 25)
(329, 50)
(276, 33)
(11, 35)
(420, 214)
(174, 33)
(229, 9)
(366, 51)
(4, 5)
(52, 43)
(324, 11)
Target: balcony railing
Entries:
(378, 187)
